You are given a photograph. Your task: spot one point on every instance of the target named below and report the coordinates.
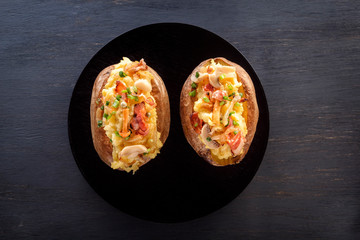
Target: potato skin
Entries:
(101, 142)
(187, 105)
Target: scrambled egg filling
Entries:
(220, 102)
(125, 107)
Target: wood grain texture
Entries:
(306, 55)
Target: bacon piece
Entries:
(208, 88)
(136, 66)
(138, 122)
(195, 120)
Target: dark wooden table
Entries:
(307, 57)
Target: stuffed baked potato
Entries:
(219, 111)
(130, 114)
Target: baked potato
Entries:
(219, 111)
(130, 114)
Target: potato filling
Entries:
(219, 112)
(127, 112)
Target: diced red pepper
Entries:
(119, 88)
(233, 140)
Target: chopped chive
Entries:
(231, 113)
(116, 103)
(100, 123)
(128, 90)
(107, 116)
(222, 76)
(122, 74)
(222, 103)
(110, 140)
(147, 151)
(208, 139)
(135, 89)
(107, 103)
(226, 98)
(230, 87)
(235, 123)
(235, 132)
(117, 134)
(241, 94)
(118, 97)
(197, 74)
(98, 100)
(206, 99)
(192, 94)
(124, 91)
(193, 85)
(102, 107)
(135, 98)
(232, 94)
(237, 104)
(196, 124)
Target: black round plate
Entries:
(177, 185)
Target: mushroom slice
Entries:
(133, 151)
(205, 135)
(143, 84)
(214, 80)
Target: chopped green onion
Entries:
(192, 94)
(110, 140)
(230, 87)
(196, 124)
(128, 90)
(100, 123)
(197, 74)
(124, 91)
(231, 113)
(118, 97)
(208, 139)
(222, 76)
(122, 74)
(222, 103)
(116, 103)
(107, 116)
(135, 98)
(135, 89)
(232, 94)
(147, 151)
(206, 99)
(117, 134)
(237, 104)
(235, 132)
(107, 103)
(193, 85)
(102, 107)
(226, 98)
(235, 123)
(241, 94)
(98, 100)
